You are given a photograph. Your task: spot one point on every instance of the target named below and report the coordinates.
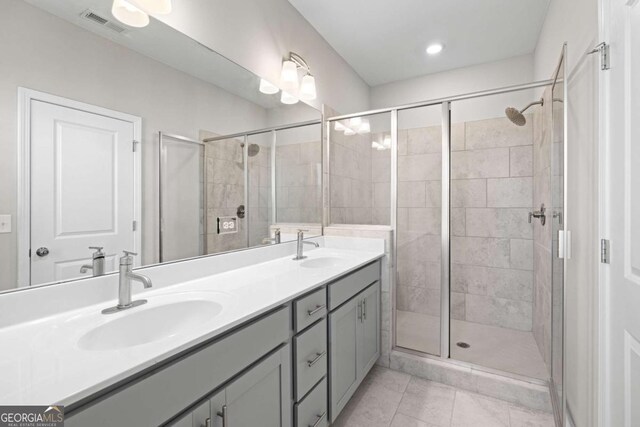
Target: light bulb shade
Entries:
(355, 122)
(339, 127)
(160, 7)
(289, 76)
(268, 87)
(349, 132)
(129, 14)
(287, 98)
(308, 88)
(365, 127)
(387, 142)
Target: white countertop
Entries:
(41, 362)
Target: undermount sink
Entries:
(323, 262)
(145, 324)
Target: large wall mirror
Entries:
(138, 139)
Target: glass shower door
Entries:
(557, 225)
(421, 322)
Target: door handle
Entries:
(42, 252)
(364, 309)
(223, 415)
(207, 422)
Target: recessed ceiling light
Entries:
(434, 48)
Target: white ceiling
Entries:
(385, 40)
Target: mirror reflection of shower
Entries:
(516, 116)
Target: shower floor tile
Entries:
(490, 346)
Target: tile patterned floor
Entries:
(390, 398)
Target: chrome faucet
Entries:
(97, 263)
(301, 243)
(124, 288)
(275, 239)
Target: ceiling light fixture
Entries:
(268, 87)
(135, 13)
(435, 48)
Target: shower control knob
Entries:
(42, 252)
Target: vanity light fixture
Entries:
(308, 88)
(289, 78)
(435, 48)
(129, 14)
(287, 98)
(135, 13)
(339, 127)
(268, 87)
(365, 127)
(160, 7)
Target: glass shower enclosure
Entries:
(474, 197)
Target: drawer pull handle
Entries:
(364, 309)
(317, 309)
(320, 418)
(223, 415)
(319, 356)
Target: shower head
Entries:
(516, 116)
(254, 149)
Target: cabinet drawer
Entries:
(310, 357)
(312, 411)
(309, 309)
(344, 289)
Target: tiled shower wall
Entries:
(299, 183)
(259, 209)
(225, 192)
(491, 240)
(351, 179)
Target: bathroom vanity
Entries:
(276, 342)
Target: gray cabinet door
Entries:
(260, 397)
(369, 331)
(343, 332)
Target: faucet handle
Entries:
(97, 248)
(129, 253)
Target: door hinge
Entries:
(135, 225)
(605, 251)
(134, 144)
(603, 50)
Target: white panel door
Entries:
(82, 190)
(622, 399)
